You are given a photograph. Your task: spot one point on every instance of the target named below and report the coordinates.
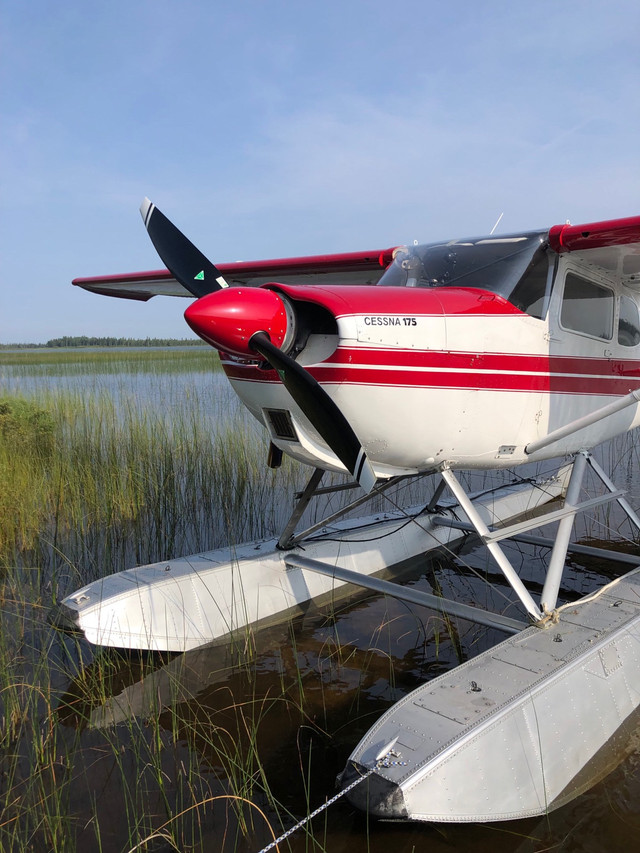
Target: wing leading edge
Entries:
(613, 245)
(345, 268)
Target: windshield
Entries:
(515, 267)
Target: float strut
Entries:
(622, 502)
(549, 597)
(284, 542)
(494, 549)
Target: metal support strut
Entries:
(560, 546)
(542, 615)
(549, 597)
(289, 539)
(495, 550)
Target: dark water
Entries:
(259, 731)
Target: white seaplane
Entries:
(424, 360)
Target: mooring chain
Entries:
(382, 760)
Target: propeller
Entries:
(320, 409)
(184, 261)
(216, 318)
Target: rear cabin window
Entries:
(628, 323)
(587, 307)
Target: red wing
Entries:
(595, 235)
(346, 268)
(613, 244)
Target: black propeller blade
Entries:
(199, 276)
(184, 261)
(320, 409)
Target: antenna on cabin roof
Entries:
(497, 223)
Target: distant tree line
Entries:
(86, 341)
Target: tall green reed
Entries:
(73, 361)
(93, 483)
(110, 485)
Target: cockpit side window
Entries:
(532, 293)
(587, 307)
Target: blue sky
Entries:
(267, 128)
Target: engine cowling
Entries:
(227, 319)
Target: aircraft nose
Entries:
(227, 319)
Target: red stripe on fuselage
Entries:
(463, 370)
(495, 361)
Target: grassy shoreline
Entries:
(119, 752)
(84, 341)
(85, 362)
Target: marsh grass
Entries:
(89, 488)
(218, 750)
(94, 481)
(66, 785)
(90, 483)
(111, 360)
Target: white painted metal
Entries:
(560, 546)
(393, 416)
(407, 593)
(400, 434)
(518, 731)
(563, 534)
(613, 408)
(622, 501)
(180, 604)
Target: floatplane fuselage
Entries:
(457, 375)
(481, 353)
